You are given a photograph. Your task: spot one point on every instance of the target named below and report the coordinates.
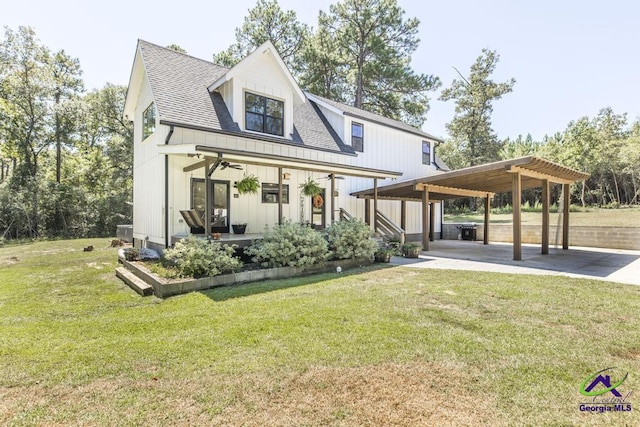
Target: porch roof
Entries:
(478, 181)
(265, 159)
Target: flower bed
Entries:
(167, 287)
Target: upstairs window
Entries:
(357, 136)
(148, 121)
(263, 114)
(426, 153)
(270, 193)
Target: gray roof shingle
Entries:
(179, 84)
(376, 118)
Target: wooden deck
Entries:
(242, 240)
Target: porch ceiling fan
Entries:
(336, 177)
(225, 164)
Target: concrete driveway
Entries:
(613, 265)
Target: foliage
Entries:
(267, 21)
(177, 48)
(370, 44)
(471, 125)
(132, 254)
(310, 187)
(350, 239)
(200, 258)
(289, 244)
(249, 184)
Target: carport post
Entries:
(425, 218)
(516, 198)
(545, 216)
(280, 196)
(487, 213)
(403, 215)
(367, 211)
(565, 216)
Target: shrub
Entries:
(199, 258)
(289, 245)
(350, 239)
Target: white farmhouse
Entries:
(201, 127)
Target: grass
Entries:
(627, 217)
(378, 346)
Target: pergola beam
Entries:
(452, 190)
(536, 175)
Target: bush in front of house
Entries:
(289, 245)
(200, 258)
(350, 239)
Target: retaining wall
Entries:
(597, 237)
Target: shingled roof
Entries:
(349, 110)
(179, 85)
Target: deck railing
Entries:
(388, 228)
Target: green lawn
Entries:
(627, 217)
(378, 346)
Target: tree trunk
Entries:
(584, 184)
(615, 182)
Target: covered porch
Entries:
(484, 181)
(212, 163)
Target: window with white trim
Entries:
(426, 153)
(148, 121)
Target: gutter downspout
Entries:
(166, 190)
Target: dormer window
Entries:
(263, 114)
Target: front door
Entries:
(219, 192)
(317, 211)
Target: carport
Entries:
(484, 181)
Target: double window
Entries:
(270, 193)
(426, 153)
(148, 121)
(357, 136)
(263, 114)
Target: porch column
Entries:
(425, 219)
(375, 204)
(516, 195)
(565, 216)
(367, 211)
(545, 216)
(487, 215)
(279, 196)
(403, 215)
(333, 198)
(207, 199)
(432, 221)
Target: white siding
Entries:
(148, 176)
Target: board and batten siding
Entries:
(148, 175)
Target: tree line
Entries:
(66, 153)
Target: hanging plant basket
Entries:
(249, 184)
(310, 188)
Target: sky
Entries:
(569, 58)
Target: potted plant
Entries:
(310, 188)
(249, 184)
(239, 228)
(132, 254)
(411, 250)
(384, 253)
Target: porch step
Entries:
(134, 282)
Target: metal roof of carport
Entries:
(484, 181)
(478, 181)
